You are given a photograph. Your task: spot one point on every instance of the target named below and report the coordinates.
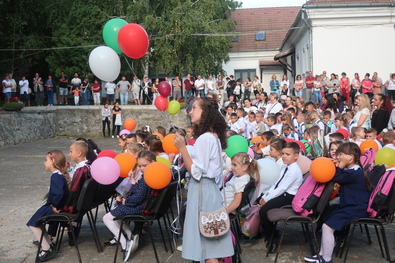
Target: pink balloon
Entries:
(164, 88)
(251, 152)
(161, 103)
(105, 170)
(304, 163)
(133, 40)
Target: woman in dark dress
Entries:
(382, 113)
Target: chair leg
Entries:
(386, 248)
(368, 234)
(312, 246)
(163, 237)
(153, 243)
(379, 241)
(94, 231)
(168, 230)
(41, 241)
(71, 229)
(271, 239)
(348, 243)
(281, 239)
(119, 238)
(306, 239)
(341, 247)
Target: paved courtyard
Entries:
(24, 182)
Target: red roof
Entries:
(275, 22)
(346, 2)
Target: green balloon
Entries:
(110, 33)
(385, 156)
(236, 144)
(173, 107)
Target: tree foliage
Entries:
(186, 36)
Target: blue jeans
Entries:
(50, 96)
(317, 97)
(187, 95)
(86, 97)
(275, 91)
(124, 98)
(201, 93)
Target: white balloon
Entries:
(268, 170)
(105, 63)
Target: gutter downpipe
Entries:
(304, 19)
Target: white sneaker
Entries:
(135, 244)
(179, 248)
(128, 250)
(112, 136)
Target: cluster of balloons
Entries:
(109, 166)
(161, 102)
(120, 37)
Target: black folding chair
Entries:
(288, 215)
(378, 223)
(68, 220)
(161, 207)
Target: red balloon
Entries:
(133, 40)
(301, 145)
(161, 103)
(164, 88)
(107, 153)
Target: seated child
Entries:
(251, 125)
(289, 133)
(300, 128)
(154, 144)
(262, 147)
(333, 146)
(122, 141)
(358, 135)
(260, 125)
(276, 151)
(244, 168)
(283, 191)
(131, 205)
(388, 139)
(55, 162)
(131, 138)
(235, 126)
(371, 134)
(270, 122)
(336, 136)
(160, 130)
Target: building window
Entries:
(244, 73)
(260, 36)
(234, 38)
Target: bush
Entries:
(12, 106)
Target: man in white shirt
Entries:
(199, 85)
(210, 85)
(273, 105)
(110, 89)
(24, 91)
(136, 90)
(123, 87)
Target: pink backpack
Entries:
(307, 196)
(379, 199)
(367, 160)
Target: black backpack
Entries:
(375, 174)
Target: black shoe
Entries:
(111, 242)
(273, 248)
(36, 243)
(44, 255)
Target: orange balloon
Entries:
(322, 169)
(365, 145)
(159, 135)
(126, 162)
(168, 144)
(255, 139)
(129, 124)
(157, 175)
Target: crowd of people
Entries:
(338, 116)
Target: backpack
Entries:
(307, 196)
(367, 160)
(375, 174)
(379, 199)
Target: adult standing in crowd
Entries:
(298, 86)
(309, 86)
(13, 88)
(146, 87)
(362, 117)
(345, 87)
(367, 84)
(7, 88)
(230, 86)
(86, 93)
(24, 91)
(187, 87)
(110, 89)
(210, 87)
(96, 88)
(247, 88)
(377, 85)
(204, 165)
(273, 106)
(333, 84)
(38, 89)
(49, 90)
(177, 88)
(274, 85)
(123, 87)
(355, 87)
(136, 86)
(220, 84)
(390, 86)
(199, 86)
(155, 90)
(63, 91)
(256, 85)
(381, 114)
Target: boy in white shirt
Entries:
(260, 126)
(251, 126)
(234, 126)
(242, 122)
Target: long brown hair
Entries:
(59, 162)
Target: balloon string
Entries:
(131, 68)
